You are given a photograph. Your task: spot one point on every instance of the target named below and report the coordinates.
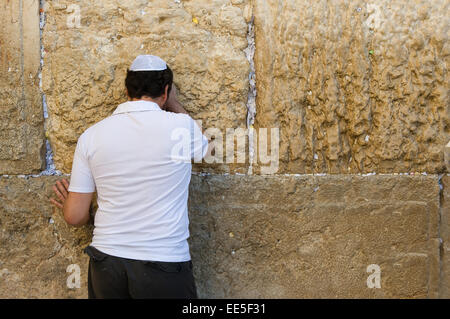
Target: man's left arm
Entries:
(76, 198)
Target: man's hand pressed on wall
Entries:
(61, 190)
(172, 104)
(76, 206)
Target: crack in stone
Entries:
(251, 102)
(50, 168)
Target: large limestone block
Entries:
(21, 125)
(89, 45)
(319, 242)
(354, 86)
(36, 245)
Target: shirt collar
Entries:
(136, 106)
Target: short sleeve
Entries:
(199, 142)
(81, 180)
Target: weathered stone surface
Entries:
(311, 237)
(445, 235)
(85, 63)
(354, 86)
(36, 245)
(245, 244)
(21, 126)
(447, 156)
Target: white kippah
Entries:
(148, 63)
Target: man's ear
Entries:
(166, 94)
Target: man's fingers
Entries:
(58, 193)
(62, 189)
(66, 183)
(56, 203)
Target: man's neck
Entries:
(148, 99)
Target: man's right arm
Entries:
(199, 140)
(172, 103)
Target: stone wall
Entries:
(357, 89)
(245, 244)
(21, 128)
(37, 245)
(355, 86)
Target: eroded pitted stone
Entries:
(36, 244)
(22, 122)
(354, 86)
(85, 63)
(314, 237)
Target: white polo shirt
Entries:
(139, 160)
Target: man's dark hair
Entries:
(148, 83)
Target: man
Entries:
(133, 160)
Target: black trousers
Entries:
(111, 277)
